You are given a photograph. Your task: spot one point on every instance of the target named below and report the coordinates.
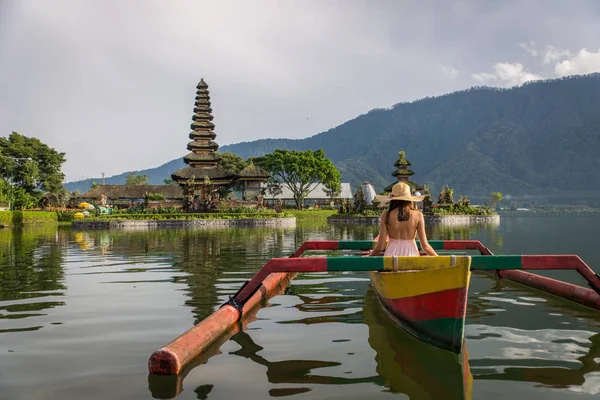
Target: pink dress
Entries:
(401, 247)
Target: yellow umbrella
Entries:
(84, 205)
(78, 215)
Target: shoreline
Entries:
(435, 219)
(183, 223)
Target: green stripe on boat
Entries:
(355, 244)
(498, 262)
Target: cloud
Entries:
(507, 74)
(530, 48)
(484, 77)
(584, 62)
(72, 82)
(449, 72)
(553, 54)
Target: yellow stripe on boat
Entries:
(421, 275)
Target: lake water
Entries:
(81, 312)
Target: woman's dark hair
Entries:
(403, 206)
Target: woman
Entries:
(401, 222)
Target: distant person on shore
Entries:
(402, 223)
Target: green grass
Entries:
(311, 215)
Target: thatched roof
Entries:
(202, 84)
(199, 173)
(403, 172)
(201, 157)
(202, 109)
(202, 135)
(202, 103)
(203, 125)
(132, 192)
(210, 145)
(202, 117)
(402, 160)
(253, 172)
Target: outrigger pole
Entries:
(274, 275)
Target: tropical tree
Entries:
(494, 199)
(232, 162)
(169, 181)
(360, 201)
(29, 168)
(299, 171)
(274, 188)
(332, 189)
(133, 179)
(446, 195)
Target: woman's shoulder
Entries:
(416, 213)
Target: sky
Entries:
(112, 83)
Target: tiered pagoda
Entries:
(203, 177)
(403, 174)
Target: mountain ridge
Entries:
(538, 139)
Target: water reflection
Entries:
(131, 292)
(403, 363)
(31, 276)
(411, 366)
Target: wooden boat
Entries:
(427, 296)
(411, 366)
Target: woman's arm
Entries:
(425, 246)
(382, 237)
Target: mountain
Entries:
(539, 140)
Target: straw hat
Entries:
(400, 191)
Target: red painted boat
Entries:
(408, 364)
(427, 296)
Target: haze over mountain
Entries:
(540, 139)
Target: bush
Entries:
(458, 209)
(38, 217)
(65, 216)
(27, 217)
(187, 216)
(6, 218)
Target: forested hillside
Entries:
(540, 139)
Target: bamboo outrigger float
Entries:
(425, 295)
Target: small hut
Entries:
(251, 179)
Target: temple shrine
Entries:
(403, 174)
(203, 178)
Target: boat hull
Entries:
(428, 301)
(410, 365)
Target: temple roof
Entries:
(403, 172)
(199, 173)
(202, 84)
(212, 157)
(402, 161)
(202, 125)
(202, 145)
(202, 116)
(202, 103)
(202, 109)
(202, 135)
(253, 171)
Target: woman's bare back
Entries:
(403, 230)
